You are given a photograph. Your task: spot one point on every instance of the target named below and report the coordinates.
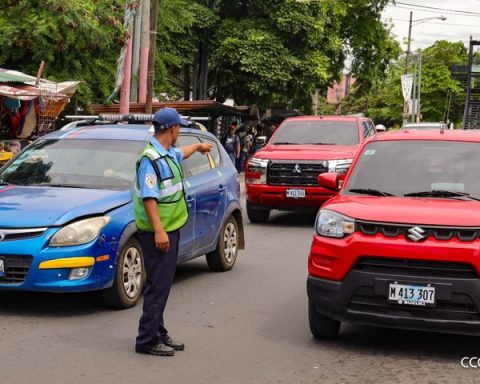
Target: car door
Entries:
(206, 197)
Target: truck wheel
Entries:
(129, 277)
(322, 327)
(257, 215)
(224, 256)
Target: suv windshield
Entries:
(444, 169)
(317, 132)
(76, 163)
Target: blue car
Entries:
(66, 212)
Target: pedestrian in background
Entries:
(231, 142)
(160, 212)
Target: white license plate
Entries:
(296, 193)
(2, 267)
(420, 295)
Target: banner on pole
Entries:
(407, 83)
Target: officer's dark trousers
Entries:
(160, 268)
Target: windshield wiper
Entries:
(58, 185)
(441, 193)
(284, 143)
(369, 191)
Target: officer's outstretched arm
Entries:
(189, 150)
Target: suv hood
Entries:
(307, 152)
(26, 207)
(408, 210)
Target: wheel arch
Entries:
(235, 211)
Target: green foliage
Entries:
(78, 40)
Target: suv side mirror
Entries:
(329, 180)
(380, 128)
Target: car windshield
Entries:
(317, 132)
(104, 164)
(443, 169)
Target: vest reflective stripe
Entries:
(171, 206)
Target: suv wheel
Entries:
(257, 215)
(129, 277)
(322, 327)
(224, 256)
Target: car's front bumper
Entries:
(361, 297)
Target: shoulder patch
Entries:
(151, 180)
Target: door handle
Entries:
(189, 198)
(221, 188)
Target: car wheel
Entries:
(129, 277)
(257, 215)
(224, 256)
(322, 327)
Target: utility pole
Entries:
(408, 42)
(144, 50)
(419, 86)
(151, 54)
(136, 55)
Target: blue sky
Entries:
(455, 28)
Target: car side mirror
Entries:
(380, 128)
(329, 180)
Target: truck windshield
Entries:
(443, 169)
(317, 132)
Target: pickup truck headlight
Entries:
(339, 166)
(333, 224)
(79, 232)
(257, 171)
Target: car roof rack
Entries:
(109, 118)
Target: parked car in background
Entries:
(424, 125)
(67, 221)
(398, 247)
(284, 174)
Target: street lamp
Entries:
(407, 58)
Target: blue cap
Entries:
(166, 118)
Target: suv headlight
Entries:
(80, 232)
(339, 166)
(257, 171)
(333, 224)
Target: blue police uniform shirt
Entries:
(147, 178)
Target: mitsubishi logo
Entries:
(416, 234)
(297, 169)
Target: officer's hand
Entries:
(205, 147)
(161, 241)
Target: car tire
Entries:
(322, 327)
(225, 254)
(129, 277)
(257, 215)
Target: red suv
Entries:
(284, 174)
(400, 244)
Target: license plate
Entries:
(420, 295)
(2, 267)
(296, 193)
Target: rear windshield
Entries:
(318, 132)
(403, 167)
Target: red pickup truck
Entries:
(284, 174)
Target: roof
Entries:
(9, 75)
(192, 107)
(325, 117)
(471, 135)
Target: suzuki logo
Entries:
(297, 169)
(416, 234)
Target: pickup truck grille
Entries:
(295, 173)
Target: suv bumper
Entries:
(361, 298)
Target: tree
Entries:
(78, 40)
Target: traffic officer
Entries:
(160, 212)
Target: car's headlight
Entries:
(257, 171)
(333, 224)
(80, 232)
(339, 166)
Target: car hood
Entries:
(408, 210)
(307, 152)
(26, 207)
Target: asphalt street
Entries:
(248, 325)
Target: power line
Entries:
(455, 25)
(434, 11)
(438, 9)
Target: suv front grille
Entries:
(16, 269)
(439, 233)
(295, 173)
(459, 308)
(410, 267)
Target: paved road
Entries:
(244, 326)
